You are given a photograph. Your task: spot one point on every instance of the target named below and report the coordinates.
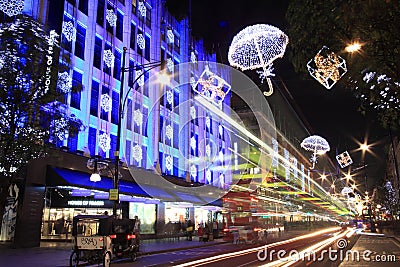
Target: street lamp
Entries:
(122, 100)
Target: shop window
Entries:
(72, 2)
(144, 124)
(100, 12)
(128, 152)
(129, 115)
(113, 145)
(97, 52)
(94, 98)
(146, 84)
(147, 48)
(76, 96)
(115, 107)
(144, 157)
(80, 42)
(176, 167)
(83, 6)
(92, 141)
(117, 65)
(131, 73)
(176, 135)
(160, 136)
(72, 143)
(120, 26)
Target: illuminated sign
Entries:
(85, 203)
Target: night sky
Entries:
(332, 113)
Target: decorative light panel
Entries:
(257, 46)
(208, 122)
(138, 117)
(142, 9)
(137, 153)
(193, 171)
(106, 102)
(64, 82)
(193, 82)
(221, 156)
(275, 147)
(211, 86)
(220, 130)
(170, 96)
(170, 65)
(193, 112)
(12, 7)
(69, 31)
(168, 163)
(208, 150)
(221, 180)
(169, 132)
(108, 58)
(139, 81)
(344, 159)
(60, 126)
(111, 17)
(303, 176)
(286, 155)
(140, 41)
(104, 142)
(208, 176)
(170, 36)
(327, 67)
(193, 57)
(317, 145)
(193, 143)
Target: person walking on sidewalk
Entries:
(189, 230)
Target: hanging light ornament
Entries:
(317, 145)
(344, 159)
(12, 7)
(60, 126)
(213, 87)
(257, 47)
(170, 97)
(104, 142)
(193, 82)
(69, 31)
(139, 77)
(208, 176)
(170, 36)
(208, 150)
(106, 102)
(140, 41)
(168, 163)
(169, 132)
(108, 58)
(193, 143)
(138, 117)
(142, 9)
(193, 171)
(137, 153)
(193, 112)
(193, 57)
(327, 67)
(64, 82)
(170, 65)
(111, 17)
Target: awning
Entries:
(67, 177)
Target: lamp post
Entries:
(146, 68)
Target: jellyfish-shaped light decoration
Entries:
(257, 47)
(317, 145)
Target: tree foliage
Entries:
(33, 113)
(373, 73)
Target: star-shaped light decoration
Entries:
(212, 87)
(60, 126)
(193, 143)
(138, 117)
(193, 57)
(170, 36)
(208, 150)
(170, 97)
(104, 142)
(169, 132)
(170, 65)
(344, 159)
(327, 67)
(139, 81)
(168, 163)
(12, 7)
(193, 171)
(193, 112)
(108, 58)
(64, 82)
(208, 176)
(142, 9)
(137, 153)
(69, 31)
(106, 102)
(111, 17)
(140, 41)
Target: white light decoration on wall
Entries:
(2, 57)
(138, 117)
(193, 82)
(208, 122)
(275, 155)
(170, 96)
(69, 31)
(108, 58)
(208, 150)
(220, 130)
(111, 17)
(257, 46)
(168, 163)
(64, 82)
(169, 132)
(213, 87)
(140, 81)
(294, 168)
(286, 155)
(140, 41)
(170, 36)
(142, 9)
(193, 57)
(60, 126)
(193, 143)
(208, 176)
(222, 180)
(221, 156)
(104, 142)
(170, 65)
(344, 159)
(12, 7)
(137, 153)
(193, 171)
(193, 112)
(303, 176)
(106, 102)
(317, 145)
(327, 67)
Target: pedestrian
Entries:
(189, 230)
(136, 229)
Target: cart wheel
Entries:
(133, 255)
(107, 259)
(74, 259)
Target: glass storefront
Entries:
(175, 212)
(147, 215)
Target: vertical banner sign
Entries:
(49, 61)
(10, 214)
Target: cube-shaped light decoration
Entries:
(344, 159)
(327, 67)
(211, 86)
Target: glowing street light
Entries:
(364, 147)
(353, 47)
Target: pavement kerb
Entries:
(208, 244)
